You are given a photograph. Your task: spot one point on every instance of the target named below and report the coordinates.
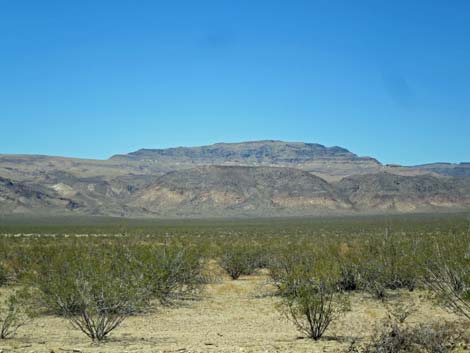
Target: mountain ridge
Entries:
(253, 178)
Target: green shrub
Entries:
(171, 271)
(15, 312)
(313, 304)
(448, 274)
(310, 296)
(19, 259)
(237, 260)
(95, 288)
(428, 338)
(3, 275)
(388, 263)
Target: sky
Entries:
(93, 78)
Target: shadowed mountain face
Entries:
(229, 190)
(384, 191)
(16, 197)
(261, 178)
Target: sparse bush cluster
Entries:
(171, 272)
(15, 311)
(448, 274)
(310, 295)
(98, 281)
(396, 337)
(95, 287)
(306, 274)
(388, 263)
(239, 259)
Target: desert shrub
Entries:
(3, 275)
(238, 259)
(388, 264)
(348, 257)
(259, 255)
(349, 278)
(309, 293)
(18, 259)
(289, 267)
(100, 310)
(448, 274)
(395, 335)
(171, 271)
(15, 312)
(7, 255)
(313, 305)
(95, 287)
(438, 338)
(293, 258)
(396, 338)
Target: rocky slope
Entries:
(389, 192)
(233, 190)
(17, 197)
(260, 178)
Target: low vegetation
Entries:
(238, 259)
(15, 312)
(94, 287)
(448, 274)
(396, 335)
(171, 271)
(308, 284)
(98, 277)
(393, 338)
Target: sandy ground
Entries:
(232, 316)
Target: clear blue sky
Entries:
(390, 79)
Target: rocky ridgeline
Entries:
(260, 178)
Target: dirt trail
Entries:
(232, 316)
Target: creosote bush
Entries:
(349, 279)
(171, 271)
(448, 274)
(15, 312)
(394, 337)
(388, 263)
(313, 305)
(3, 275)
(237, 260)
(95, 287)
(310, 296)
(98, 281)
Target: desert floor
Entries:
(231, 316)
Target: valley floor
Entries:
(232, 316)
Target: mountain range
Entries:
(258, 178)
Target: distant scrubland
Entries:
(97, 274)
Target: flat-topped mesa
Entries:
(266, 152)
